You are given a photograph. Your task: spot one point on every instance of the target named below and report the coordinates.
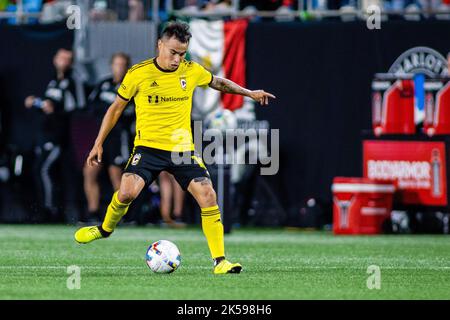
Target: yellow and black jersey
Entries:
(163, 102)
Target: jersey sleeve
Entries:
(128, 87)
(204, 77)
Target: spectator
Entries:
(218, 6)
(116, 147)
(101, 12)
(53, 11)
(136, 12)
(171, 191)
(53, 117)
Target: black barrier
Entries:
(321, 74)
(26, 67)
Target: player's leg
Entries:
(202, 190)
(140, 170)
(91, 190)
(115, 176)
(165, 186)
(130, 187)
(47, 156)
(194, 177)
(178, 200)
(115, 154)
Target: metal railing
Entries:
(20, 15)
(306, 11)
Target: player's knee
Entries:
(126, 196)
(208, 196)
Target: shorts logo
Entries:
(136, 159)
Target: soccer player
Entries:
(162, 88)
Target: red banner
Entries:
(417, 167)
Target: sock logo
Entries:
(136, 159)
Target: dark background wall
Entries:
(25, 69)
(321, 74)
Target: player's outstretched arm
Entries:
(229, 86)
(109, 121)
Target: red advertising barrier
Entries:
(360, 205)
(417, 167)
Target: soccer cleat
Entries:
(225, 266)
(88, 234)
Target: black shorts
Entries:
(149, 162)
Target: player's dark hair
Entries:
(123, 56)
(177, 29)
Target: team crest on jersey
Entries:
(136, 159)
(183, 82)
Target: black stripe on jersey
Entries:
(142, 64)
(123, 97)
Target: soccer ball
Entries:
(163, 256)
(221, 119)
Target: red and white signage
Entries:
(417, 167)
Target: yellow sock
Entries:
(213, 230)
(116, 210)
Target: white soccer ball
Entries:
(163, 256)
(221, 119)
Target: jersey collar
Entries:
(161, 69)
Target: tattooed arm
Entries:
(228, 86)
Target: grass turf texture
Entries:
(278, 264)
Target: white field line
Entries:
(299, 267)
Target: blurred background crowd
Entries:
(137, 10)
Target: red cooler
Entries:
(360, 205)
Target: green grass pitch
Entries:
(278, 264)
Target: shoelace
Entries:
(222, 264)
(95, 232)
